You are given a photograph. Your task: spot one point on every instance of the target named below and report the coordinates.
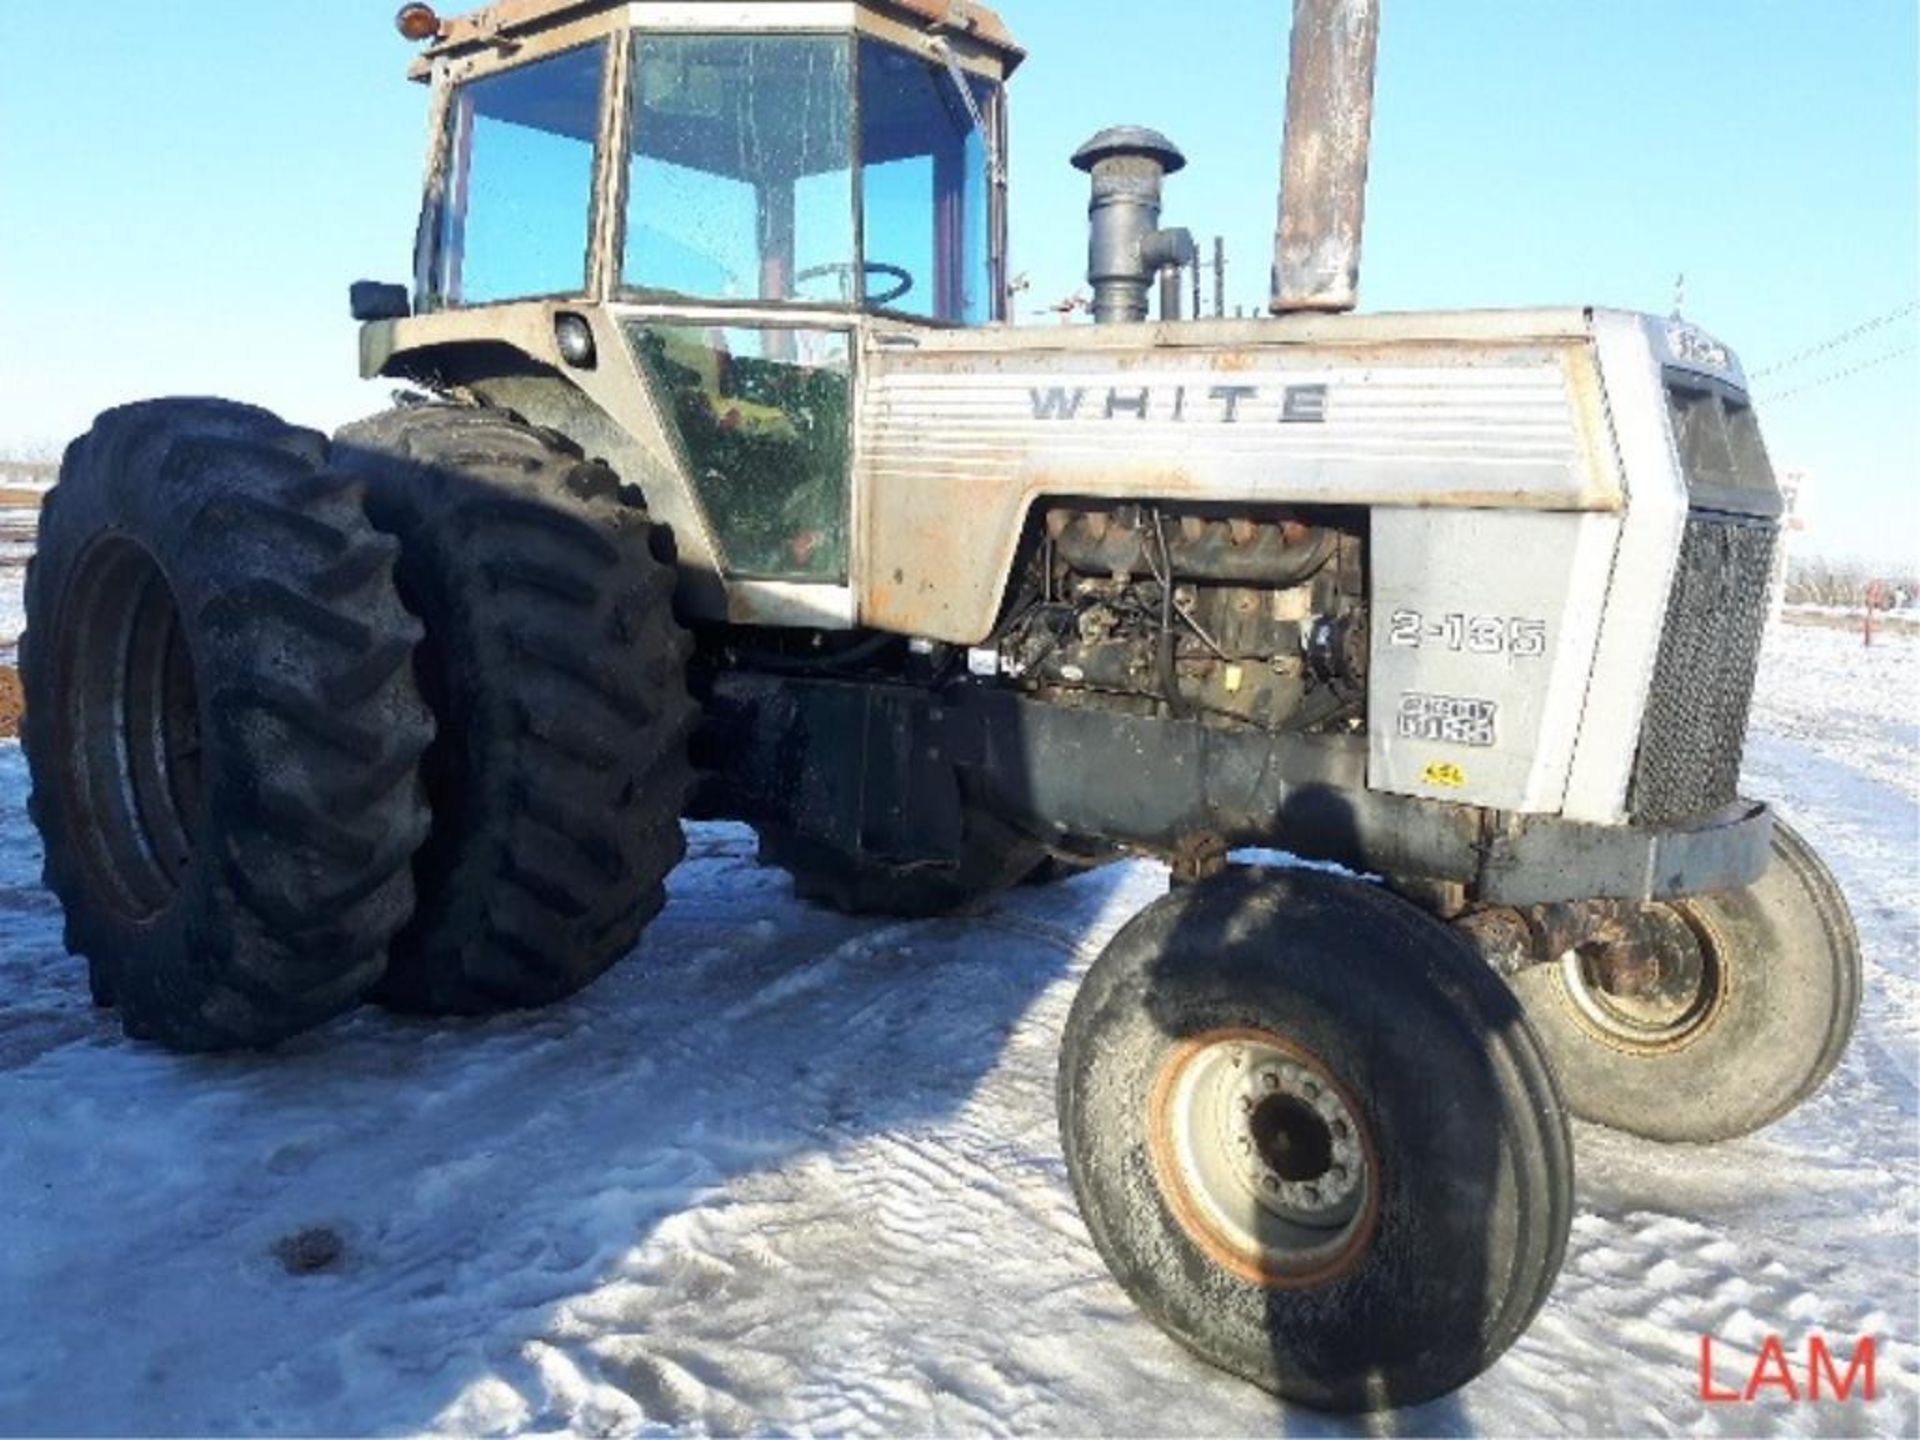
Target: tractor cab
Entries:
(693, 219)
(791, 156)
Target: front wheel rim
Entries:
(1264, 1159)
(1649, 998)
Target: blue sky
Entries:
(186, 189)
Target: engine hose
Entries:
(1168, 641)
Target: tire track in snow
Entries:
(788, 1171)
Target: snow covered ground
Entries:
(788, 1172)
(16, 544)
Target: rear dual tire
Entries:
(556, 671)
(222, 726)
(231, 710)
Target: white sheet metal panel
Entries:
(957, 443)
(1502, 434)
(1483, 630)
(789, 604)
(1636, 603)
(1496, 434)
(1407, 327)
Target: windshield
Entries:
(803, 169)
(741, 183)
(925, 185)
(519, 186)
(741, 179)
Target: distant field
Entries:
(1830, 617)
(17, 525)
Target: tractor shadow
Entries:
(625, 1211)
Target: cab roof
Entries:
(461, 34)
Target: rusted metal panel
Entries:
(958, 443)
(1323, 169)
(608, 410)
(510, 22)
(500, 33)
(507, 18)
(1423, 327)
(963, 17)
(575, 27)
(433, 192)
(952, 447)
(936, 42)
(611, 163)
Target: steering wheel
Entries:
(903, 278)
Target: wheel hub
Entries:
(1264, 1158)
(130, 709)
(1294, 1143)
(1656, 986)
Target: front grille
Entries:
(1696, 722)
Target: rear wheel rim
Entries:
(1264, 1159)
(131, 706)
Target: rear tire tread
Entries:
(523, 577)
(300, 877)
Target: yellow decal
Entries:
(1446, 775)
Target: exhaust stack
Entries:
(1323, 162)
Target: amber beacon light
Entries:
(417, 22)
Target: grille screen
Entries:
(1696, 722)
(1717, 438)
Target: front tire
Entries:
(1313, 1137)
(1772, 993)
(557, 673)
(223, 729)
